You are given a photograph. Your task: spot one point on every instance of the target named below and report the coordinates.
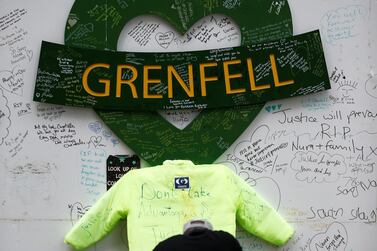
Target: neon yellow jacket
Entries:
(157, 202)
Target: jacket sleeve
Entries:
(102, 216)
(257, 217)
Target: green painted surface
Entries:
(202, 141)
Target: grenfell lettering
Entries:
(252, 74)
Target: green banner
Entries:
(218, 78)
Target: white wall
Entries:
(40, 189)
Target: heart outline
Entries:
(14, 76)
(164, 42)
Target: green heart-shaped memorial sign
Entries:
(97, 24)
